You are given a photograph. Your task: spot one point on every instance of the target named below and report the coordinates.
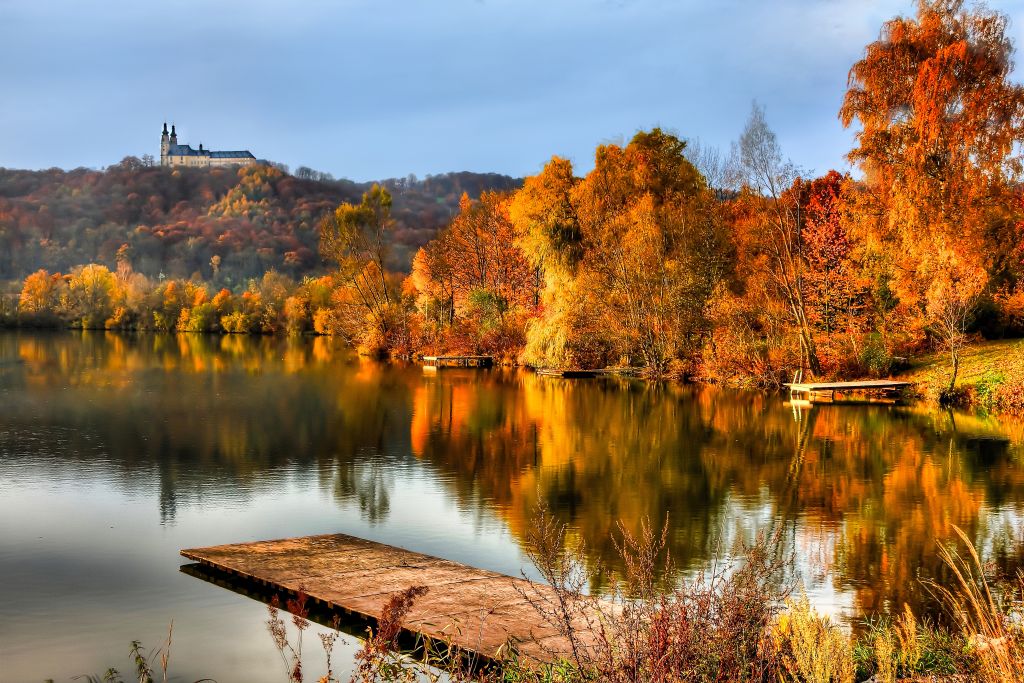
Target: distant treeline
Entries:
(94, 297)
(177, 221)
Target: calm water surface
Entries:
(115, 452)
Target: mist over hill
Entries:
(175, 220)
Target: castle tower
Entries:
(165, 147)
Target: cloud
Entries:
(369, 89)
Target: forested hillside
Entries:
(227, 225)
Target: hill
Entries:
(175, 221)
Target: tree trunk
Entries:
(955, 357)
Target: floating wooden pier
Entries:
(477, 610)
(811, 391)
(458, 361)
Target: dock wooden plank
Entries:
(827, 391)
(847, 386)
(478, 610)
(458, 361)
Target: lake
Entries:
(117, 451)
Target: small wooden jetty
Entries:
(599, 372)
(479, 611)
(568, 374)
(458, 361)
(811, 391)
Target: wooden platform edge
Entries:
(457, 361)
(810, 391)
(526, 641)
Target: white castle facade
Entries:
(173, 154)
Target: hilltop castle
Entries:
(173, 154)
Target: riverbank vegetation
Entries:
(991, 375)
(667, 256)
(740, 621)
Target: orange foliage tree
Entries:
(355, 236)
(938, 123)
(475, 276)
(41, 293)
(630, 255)
(775, 195)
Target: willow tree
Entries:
(939, 121)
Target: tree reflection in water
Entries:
(863, 493)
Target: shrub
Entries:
(711, 628)
(237, 323)
(986, 389)
(1008, 395)
(813, 648)
(875, 357)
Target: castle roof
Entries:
(187, 151)
(232, 155)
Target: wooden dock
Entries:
(578, 374)
(458, 361)
(477, 610)
(811, 391)
(568, 374)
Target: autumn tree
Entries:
(654, 246)
(778, 224)
(569, 332)
(950, 300)
(631, 253)
(938, 123)
(828, 248)
(473, 279)
(356, 238)
(489, 261)
(41, 293)
(433, 280)
(91, 295)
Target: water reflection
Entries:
(864, 493)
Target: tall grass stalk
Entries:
(988, 625)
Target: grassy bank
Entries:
(991, 376)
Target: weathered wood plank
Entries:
(458, 361)
(827, 391)
(477, 610)
(848, 386)
(568, 374)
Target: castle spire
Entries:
(165, 147)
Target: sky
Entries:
(371, 89)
